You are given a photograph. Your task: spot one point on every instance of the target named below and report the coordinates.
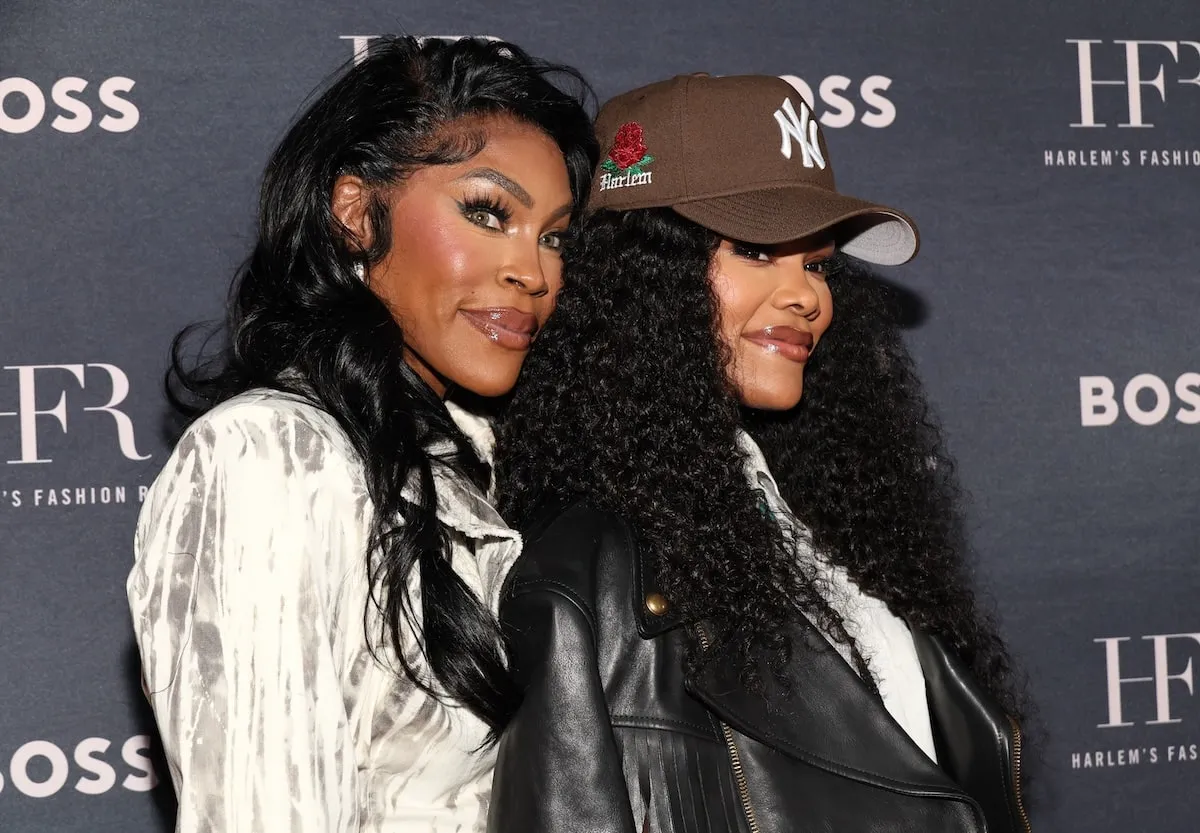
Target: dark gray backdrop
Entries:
(1048, 283)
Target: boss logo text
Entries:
(40, 769)
(833, 92)
(24, 105)
(1146, 399)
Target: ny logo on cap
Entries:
(803, 129)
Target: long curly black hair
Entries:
(300, 320)
(624, 401)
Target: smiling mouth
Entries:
(786, 342)
(505, 327)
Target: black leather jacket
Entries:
(614, 737)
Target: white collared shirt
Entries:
(882, 637)
(248, 595)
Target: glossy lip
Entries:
(787, 342)
(504, 326)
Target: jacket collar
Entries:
(460, 505)
(756, 462)
(758, 473)
(829, 719)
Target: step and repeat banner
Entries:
(1050, 153)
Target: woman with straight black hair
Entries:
(318, 565)
(743, 602)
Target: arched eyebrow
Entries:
(563, 211)
(496, 178)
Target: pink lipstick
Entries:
(504, 326)
(788, 342)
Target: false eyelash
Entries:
(489, 203)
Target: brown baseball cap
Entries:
(743, 156)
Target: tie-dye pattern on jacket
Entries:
(248, 594)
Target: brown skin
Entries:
(471, 241)
(764, 287)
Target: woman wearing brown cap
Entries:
(737, 608)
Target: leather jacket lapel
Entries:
(829, 719)
(976, 740)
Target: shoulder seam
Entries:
(528, 587)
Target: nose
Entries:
(796, 291)
(522, 270)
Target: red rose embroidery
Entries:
(628, 146)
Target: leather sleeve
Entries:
(558, 767)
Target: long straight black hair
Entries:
(300, 321)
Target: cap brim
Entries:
(870, 232)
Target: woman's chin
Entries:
(771, 397)
(489, 386)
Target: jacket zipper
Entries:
(735, 759)
(1017, 775)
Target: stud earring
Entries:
(360, 271)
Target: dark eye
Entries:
(751, 252)
(820, 267)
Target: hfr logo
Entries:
(802, 130)
(1134, 81)
(1161, 678)
(29, 376)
